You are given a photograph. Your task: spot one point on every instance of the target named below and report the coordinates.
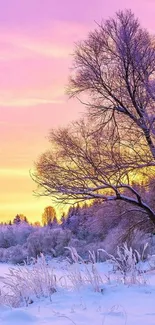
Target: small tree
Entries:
(37, 224)
(17, 220)
(49, 216)
(20, 218)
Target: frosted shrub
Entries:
(25, 283)
(2, 240)
(48, 241)
(62, 238)
(2, 250)
(114, 239)
(79, 245)
(21, 232)
(7, 238)
(11, 235)
(55, 240)
(105, 217)
(35, 243)
(32, 242)
(15, 254)
(121, 234)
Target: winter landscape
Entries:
(83, 270)
(63, 292)
(90, 258)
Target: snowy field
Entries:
(82, 299)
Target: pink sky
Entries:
(36, 40)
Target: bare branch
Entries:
(115, 66)
(86, 164)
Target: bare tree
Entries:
(84, 164)
(114, 68)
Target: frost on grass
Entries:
(24, 284)
(127, 266)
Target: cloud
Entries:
(25, 102)
(15, 46)
(55, 40)
(45, 49)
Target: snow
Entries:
(116, 304)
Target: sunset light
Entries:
(37, 39)
(77, 162)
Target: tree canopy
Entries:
(113, 76)
(49, 215)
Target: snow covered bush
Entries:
(11, 235)
(79, 245)
(34, 243)
(2, 251)
(103, 218)
(55, 240)
(22, 231)
(24, 284)
(135, 238)
(7, 238)
(15, 255)
(86, 229)
(48, 241)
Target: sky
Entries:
(37, 38)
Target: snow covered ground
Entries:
(115, 304)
